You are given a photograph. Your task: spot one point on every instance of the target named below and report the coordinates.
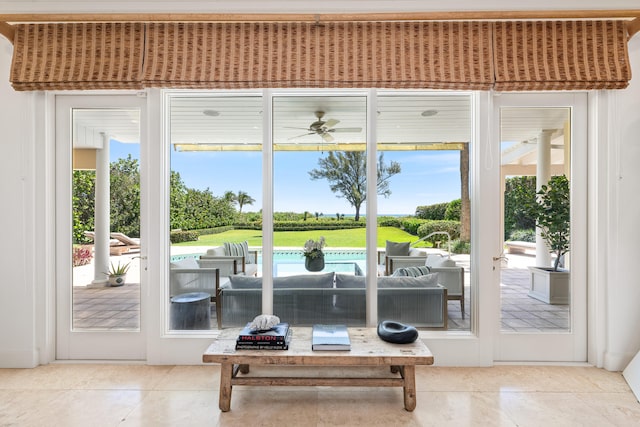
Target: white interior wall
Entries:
(18, 265)
(24, 192)
(623, 225)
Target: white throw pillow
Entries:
(435, 260)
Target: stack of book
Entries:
(276, 338)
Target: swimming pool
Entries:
(294, 256)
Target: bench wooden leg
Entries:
(409, 387)
(224, 401)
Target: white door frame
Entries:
(129, 345)
(570, 346)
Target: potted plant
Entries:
(552, 212)
(314, 257)
(118, 273)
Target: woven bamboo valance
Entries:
(561, 55)
(470, 55)
(437, 55)
(78, 56)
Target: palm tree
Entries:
(242, 199)
(229, 196)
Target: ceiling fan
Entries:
(324, 128)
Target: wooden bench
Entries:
(367, 349)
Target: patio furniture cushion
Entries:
(436, 260)
(349, 281)
(238, 249)
(397, 248)
(412, 271)
(306, 281)
(244, 282)
(425, 281)
(217, 251)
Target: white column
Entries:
(543, 174)
(102, 220)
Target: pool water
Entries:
(290, 256)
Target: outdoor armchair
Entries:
(231, 262)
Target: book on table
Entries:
(276, 338)
(330, 337)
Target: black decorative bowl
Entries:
(396, 332)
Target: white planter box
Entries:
(549, 286)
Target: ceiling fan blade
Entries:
(354, 130)
(290, 127)
(300, 136)
(327, 137)
(331, 123)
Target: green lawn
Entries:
(351, 238)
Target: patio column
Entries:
(102, 213)
(543, 174)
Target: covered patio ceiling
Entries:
(206, 122)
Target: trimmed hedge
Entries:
(411, 225)
(183, 236)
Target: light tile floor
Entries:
(139, 395)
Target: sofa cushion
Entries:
(350, 281)
(185, 263)
(237, 249)
(435, 260)
(397, 249)
(217, 251)
(425, 281)
(412, 271)
(307, 281)
(245, 282)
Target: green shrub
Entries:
(460, 247)
(214, 230)
(183, 236)
(520, 192)
(411, 225)
(289, 216)
(432, 212)
(390, 221)
(453, 210)
(523, 235)
(320, 224)
(451, 227)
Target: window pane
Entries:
(106, 219)
(216, 195)
(535, 151)
(424, 209)
(319, 192)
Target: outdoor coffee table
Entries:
(367, 349)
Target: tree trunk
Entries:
(465, 203)
(357, 213)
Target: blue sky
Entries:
(427, 177)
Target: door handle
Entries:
(502, 258)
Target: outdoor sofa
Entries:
(307, 299)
